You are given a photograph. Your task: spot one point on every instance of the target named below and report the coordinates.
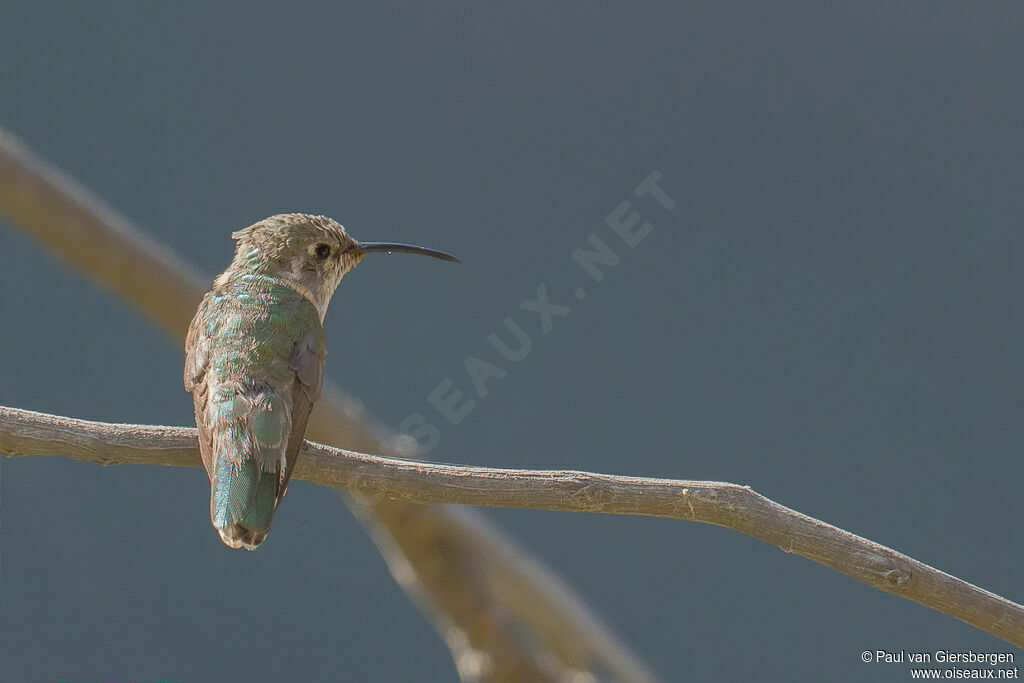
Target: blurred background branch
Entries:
(503, 616)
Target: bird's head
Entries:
(308, 253)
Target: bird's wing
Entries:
(307, 360)
(197, 361)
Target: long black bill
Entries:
(368, 247)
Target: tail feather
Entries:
(237, 536)
(242, 503)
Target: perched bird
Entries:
(254, 360)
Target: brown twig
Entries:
(478, 589)
(735, 507)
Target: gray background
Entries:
(830, 314)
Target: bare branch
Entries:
(735, 507)
(470, 579)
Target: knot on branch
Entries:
(897, 579)
(589, 493)
(687, 496)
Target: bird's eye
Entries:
(322, 251)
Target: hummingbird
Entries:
(254, 360)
